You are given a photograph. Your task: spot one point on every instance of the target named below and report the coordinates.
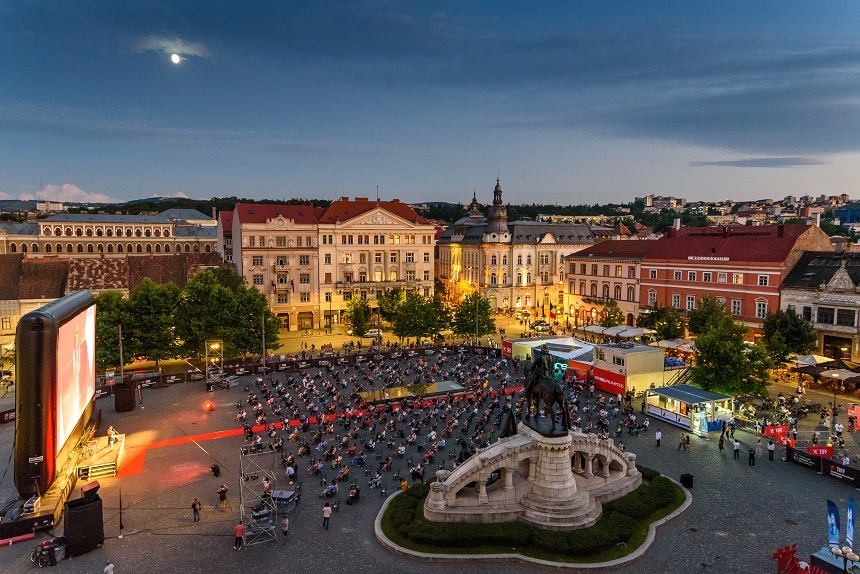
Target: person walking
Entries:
(658, 436)
(285, 527)
(682, 442)
(752, 457)
(737, 448)
(770, 448)
(758, 447)
(238, 536)
(195, 508)
(721, 444)
(326, 515)
(687, 444)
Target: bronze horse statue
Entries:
(549, 391)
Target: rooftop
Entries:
(616, 249)
(766, 243)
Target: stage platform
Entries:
(98, 460)
(424, 391)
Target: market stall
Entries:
(690, 408)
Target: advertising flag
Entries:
(849, 526)
(832, 524)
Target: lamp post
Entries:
(847, 554)
(833, 416)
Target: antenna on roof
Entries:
(377, 196)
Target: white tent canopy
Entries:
(812, 360)
(625, 331)
(679, 344)
(840, 374)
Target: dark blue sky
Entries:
(568, 102)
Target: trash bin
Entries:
(687, 480)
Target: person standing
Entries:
(285, 527)
(687, 444)
(722, 444)
(326, 515)
(238, 536)
(195, 508)
(770, 448)
(108, 567)
(758, 447)
(737, 448)
(752, 457)
(682, 442)
(658, 436)
(111, 436)
(222, 498)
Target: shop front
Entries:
(690, 408)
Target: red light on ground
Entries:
(208, 406)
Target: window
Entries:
(594, 268)
(677, 275)
(606, 291)
(6, 323)
(305, 297)
(362, 277)
(528, 259)
(652, 298)
(393, 257)
(519, 259)
(282, 279)
(305, 278)
(845, 317)
(825, 315)
(327, 257)
(328, 296)
(618, 271)
(410, 275)
(738, 278)
(280, 241)
(427, 257)
(258, 278)
(618, 361)
(706, 276)
(377, 257)
(762, 280)
(304, 259)
(691, 302)
(347, 295)
(721, 278)
(676, 300)
(617, 292)
(652, 274)
(410, 257)
(583, 269)
(362, 258)
(631, 272)
(504, 259)
(257, 260)
(544, 258)
(594, 289)
(631, 293)
(252, 241)
(283, 298)
(426, 275)
(736, 306)
(606, 270)
(262, 240)
(806, 313)
(493, 259)
(691, 275)
(760, 309)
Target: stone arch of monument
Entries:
(555, 482)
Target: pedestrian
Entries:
(682, 442)
(112, 436)
(737, 448)
(658, 436)
(195, 508)
(326, 515)
(238, 536)
(108, 567)
(770, 448)
(752, 456)
(722, 444)
(285, 527)
(222, 498)
(758, 447)
(687, 444)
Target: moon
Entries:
(175, 58)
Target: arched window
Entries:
(158, 247)
(47, 248)
(59, 247)
(35, 248)
(110, 247)
(58, 231)
(131, 248)
(69, 248)
(110, 232)
(392, 275)
(128, 232)
(23, 248)
(187, 248)
(101, 248)
(89, 247)
(208, 248)
(492, 278)
(99, 232)
(69, 231)
(139, 248)
(528, 278)
(528, 259)
(89, 232)
(606, 291)
(594, 289)
(47, 230)
(13, 248)
(167, 233)
(504, 278)
(630, 293)
(148, 248)
(167, 248)
(618, 292)
(158, 233)
(148, 233)
(80, 247)
(196, 248)
(519, 278)
(138, 233)
(119, 248)
(582, 288)
(79, 232)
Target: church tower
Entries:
(497, 219)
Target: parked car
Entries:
(541, 326)
(522, 314)
(373, 333)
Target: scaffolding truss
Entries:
(257, 509)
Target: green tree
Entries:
(358, 314)
(111, 312)
(473, 309)
(611, 315)
(389, 302)
(787, 332)
(150, 325)
(725, 362)
(246, 335)
(708, 310)
(414, 316)
(664, 320)
(228, 277)
(439, 288)
(205, 311)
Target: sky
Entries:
(566, 102)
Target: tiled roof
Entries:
(184, 214)
(524, 232)
(98, 274)
(343, 210)
(195, 231)
(261, 212)
(163, 217)
(226, 220)
(10, 273)
(20, 228)
(616, 248)
(737, 243)
(43, 278)
(168, 268)
(817, 267)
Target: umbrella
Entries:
(812, 360)
(840, 374)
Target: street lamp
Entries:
(833, 416)
(847, 554)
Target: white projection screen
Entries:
(76, 374)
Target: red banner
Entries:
(775, 431)
(579, 368)
(507, 349)
(787, 441)
(824, 451)
(609, 382)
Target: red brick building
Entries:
(739, 265)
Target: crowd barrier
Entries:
(825, 466)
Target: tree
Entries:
(708, 311)
(439, 288)
(111, 312)
(414, 316)
(150, 323)
(725, 362)
(664, 320)
(473, 309)
(357, 315)
(612, 314)
(205, 311)
(787, 332)
(389, 302)
(246, 335)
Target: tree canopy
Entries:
(473, 310)
(612, 314)
(706, 313)
(358, 314)
(664, 320)
(787, 332)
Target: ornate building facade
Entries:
(516, 265)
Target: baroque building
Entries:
(516, 265)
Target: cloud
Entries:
(777, 162)
(172, 46)
(69, 193)
(5, 195)
(178, 194)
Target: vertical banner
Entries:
(832, 524)
(849, 526)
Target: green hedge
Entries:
(618, 523)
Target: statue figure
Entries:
(540, 387)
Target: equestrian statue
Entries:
(541, 386)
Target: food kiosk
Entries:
(691, 408)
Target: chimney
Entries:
(677, 223)
(780, 230)
(726, 231)
(670, 232)
(214, 213)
